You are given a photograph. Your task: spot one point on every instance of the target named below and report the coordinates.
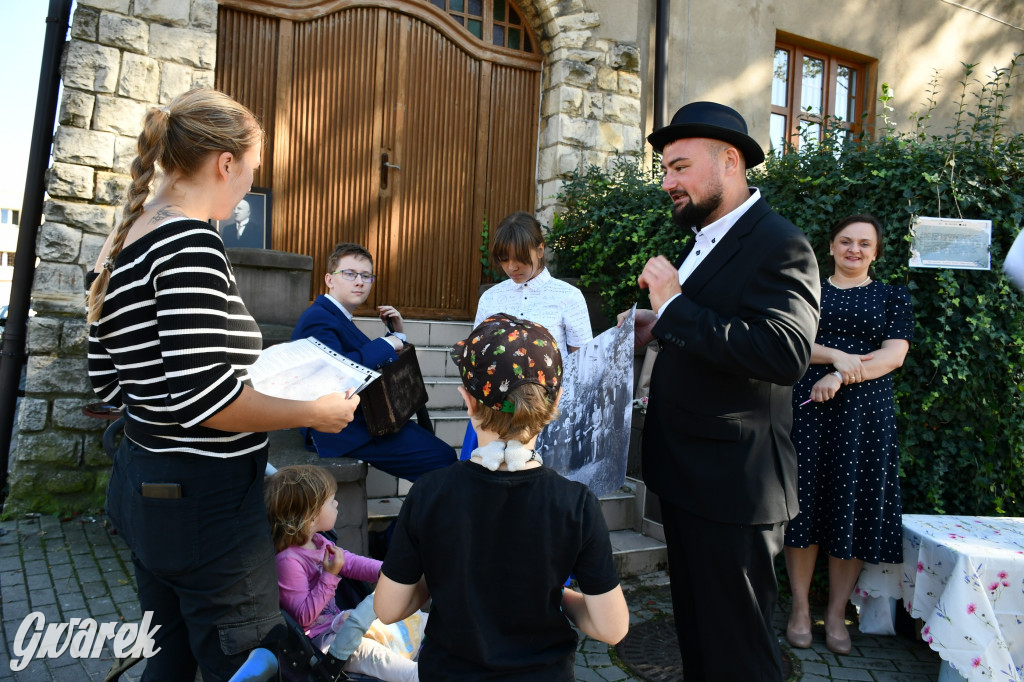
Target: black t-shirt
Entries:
(496, 548)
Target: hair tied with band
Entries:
(108, 265)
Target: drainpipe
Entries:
(661, 64)
(12, 354)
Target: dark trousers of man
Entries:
(723, 593)
(204, 562)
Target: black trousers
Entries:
(723, 594)
(204, 562)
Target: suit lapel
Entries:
(725, 251)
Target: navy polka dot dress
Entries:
(849, 487)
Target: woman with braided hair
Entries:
(171, 341)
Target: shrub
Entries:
(960, 393)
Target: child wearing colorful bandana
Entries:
(491, 539)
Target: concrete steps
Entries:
(637, 542)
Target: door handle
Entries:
(384, 166)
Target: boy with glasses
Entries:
(412, 451)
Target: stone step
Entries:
(441, 334)
(443, 393)
(450, 424)
(634, 553)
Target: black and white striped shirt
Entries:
(174, 341)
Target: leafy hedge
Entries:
(961, 390)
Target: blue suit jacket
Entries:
(325, 321)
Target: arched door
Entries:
(391, 124)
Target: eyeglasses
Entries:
(351, 275)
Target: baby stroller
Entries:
(293, 651)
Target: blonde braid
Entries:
(143, 168)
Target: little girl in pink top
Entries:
(300, 504)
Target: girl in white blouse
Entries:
(530, 292)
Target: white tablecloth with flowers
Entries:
(964, 577)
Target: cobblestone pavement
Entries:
(76, 569)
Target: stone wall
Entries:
(590, 97)
(123, 57)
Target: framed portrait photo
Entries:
(249, 225)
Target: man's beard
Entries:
(694, 214)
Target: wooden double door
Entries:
(390, 125)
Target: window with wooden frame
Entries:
(810, 85)
(496, 22)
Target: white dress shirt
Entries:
(708, 238)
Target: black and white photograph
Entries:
(249, 224)
(951, 243)
(589, 442)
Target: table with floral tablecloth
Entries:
(963, 576)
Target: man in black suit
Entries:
(243, 229)
(735, 318)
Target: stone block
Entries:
(204, 78)
(92, 244)
(629, 84)
(622, 109)
(183, 46)
(48, 374)
(169, 12)
(569, 161)
(174, 80)
(573, 72)
(43, 334)
(70, 181)
(89, 217)
(58, 243)
(76, 108)
(127, 33)
(65, 482)
(74, 336)
(547, 163)
(570, 39)
(111, 188)
(67, 414)
(610, 137)
(204, 15)
(579, 21)
(607, 78)
(85, 23)
(89, 66)
(625, 57)
(109, 5)
(120, 115)
(93, 455)
(125, 151)
(32, 414)
(61, 283)
(593, 105)
(62, 448)
(83, 147)
(140, 80)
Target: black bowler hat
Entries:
(710, 120)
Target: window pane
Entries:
(476, 8)
(457, 5)
(777, 133)
(846, 88)
(527, 45)
(499, 36)
(513, 38)
(461, 21)
(513, 17)
(476, 27)
(813, 85)
(499, 10)
(780, 78)
(439, 3)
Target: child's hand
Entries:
(334, 559)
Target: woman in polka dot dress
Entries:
(845, 434)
